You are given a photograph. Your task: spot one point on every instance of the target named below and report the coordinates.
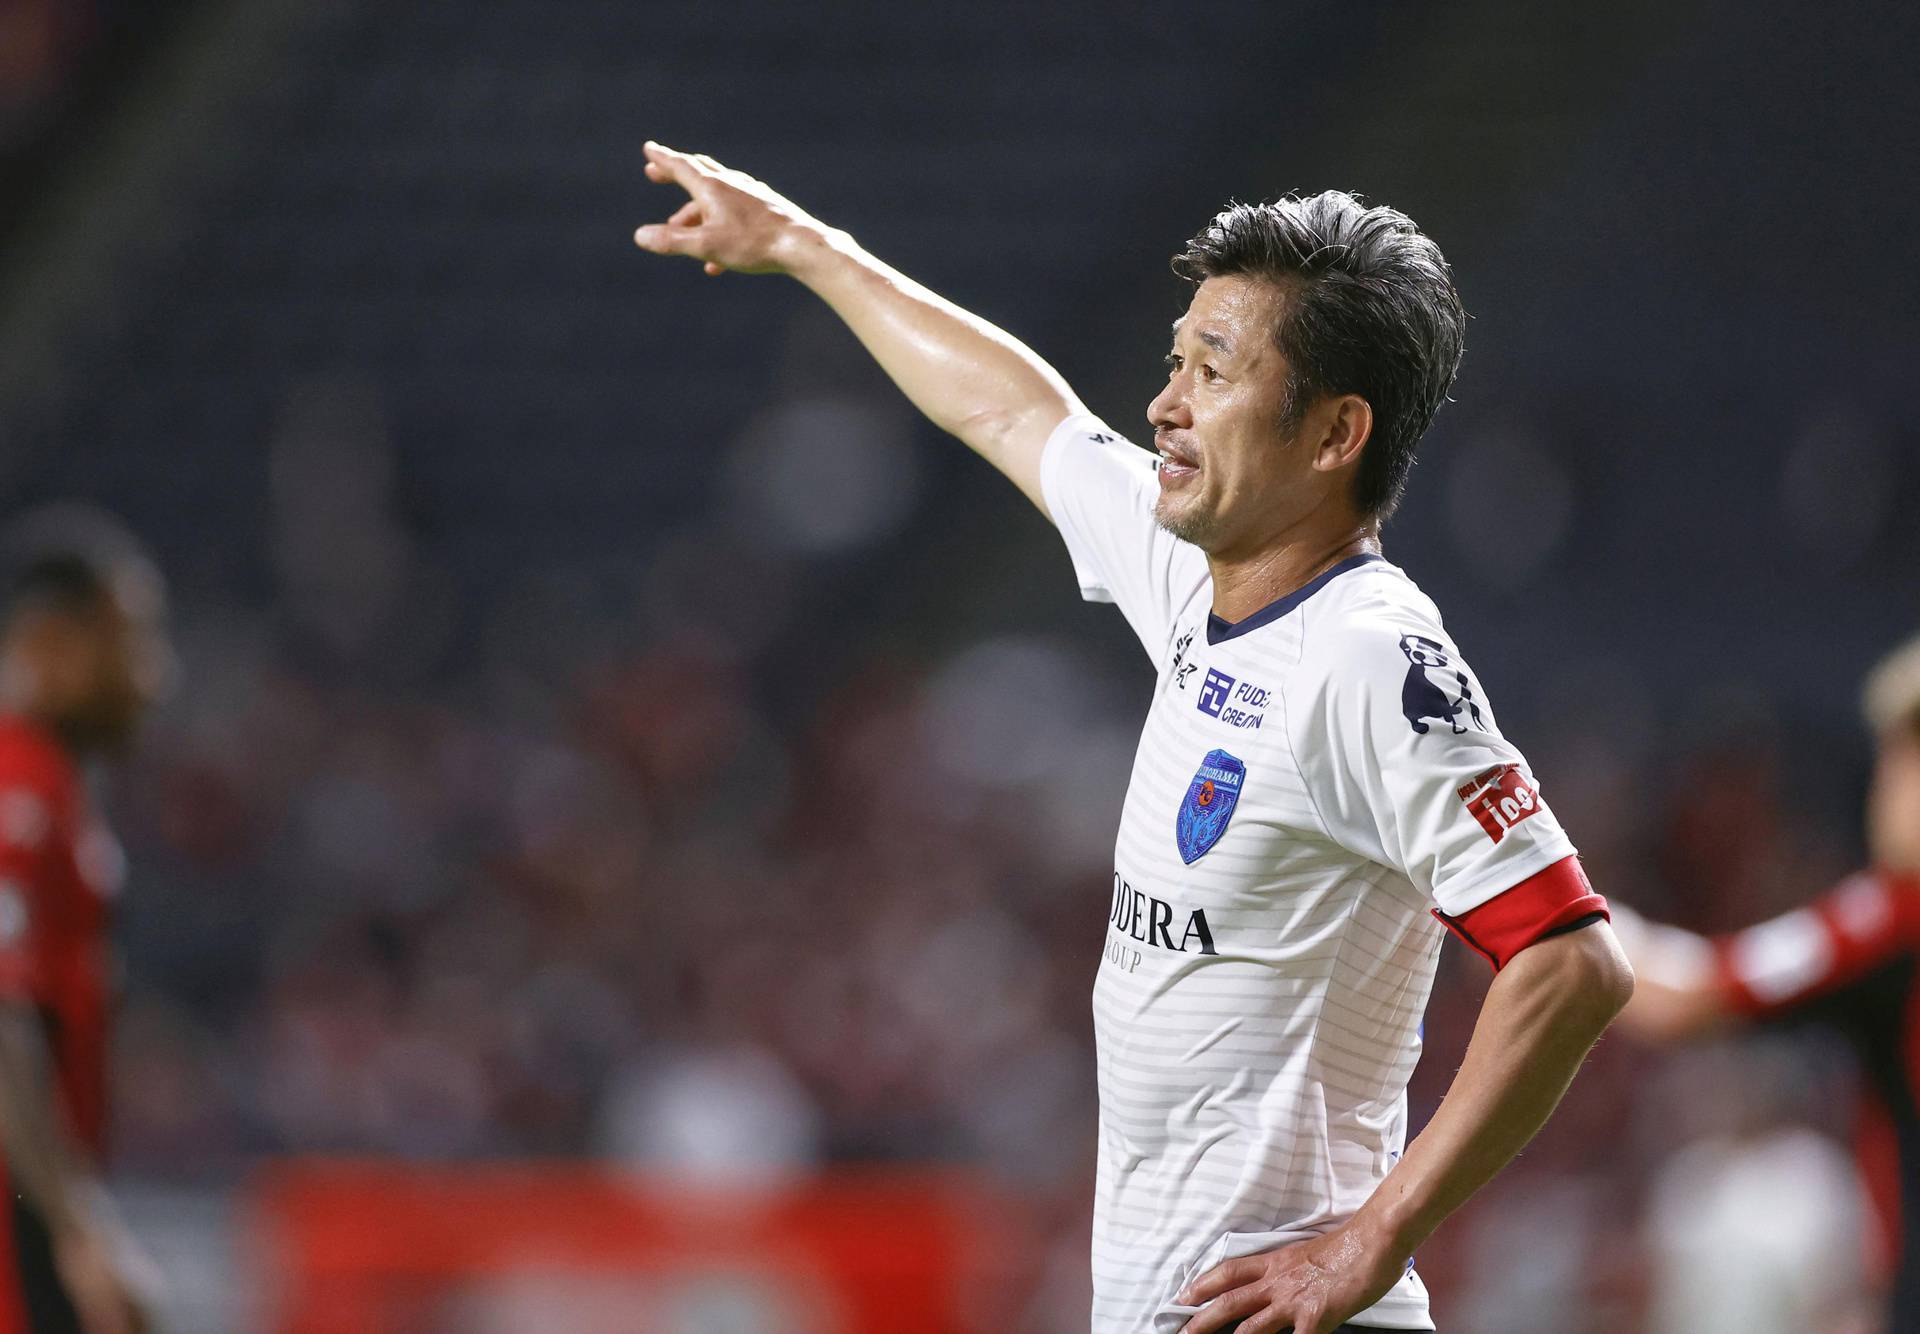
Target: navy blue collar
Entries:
(1219, 631)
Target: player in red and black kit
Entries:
(1849, 961)
(81, 656)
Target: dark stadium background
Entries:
(613, 728)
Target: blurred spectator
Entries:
(1755, 1226)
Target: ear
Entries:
(1346, 424)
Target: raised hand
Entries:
(972, 379)
(730, 220)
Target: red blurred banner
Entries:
(377, 1248)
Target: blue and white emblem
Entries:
(1208, 805)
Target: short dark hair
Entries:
(68, 558)
(1370, 309)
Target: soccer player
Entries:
(1319, 774)
(1848, 962)
(81, 657)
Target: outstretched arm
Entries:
(972, 379)
(1544, 1011)
(1804, 962)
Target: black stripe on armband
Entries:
(1573, 926)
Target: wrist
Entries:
(809, 249)
(1390, 1223)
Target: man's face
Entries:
(1232, 475)
(1893, 803)
(104, 665)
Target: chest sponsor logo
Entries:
(1500, 798)
(1214, 692)
(1208, 805)
(1235, 703)
(1436, 689)
(1151, 921)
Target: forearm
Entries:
(969, 377)
(1542, 1015)
(35, 1149)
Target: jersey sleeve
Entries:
(1421, 780)
(1792, 963)
(1101, 491)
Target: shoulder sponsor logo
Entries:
(1435, 688)
(1500, 798)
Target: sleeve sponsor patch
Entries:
(1500, 798)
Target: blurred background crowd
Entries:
(611, 725)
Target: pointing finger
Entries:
(665, 164)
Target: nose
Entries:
(1168, 411)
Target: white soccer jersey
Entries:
(1310, 783)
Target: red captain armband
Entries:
(1550, 903)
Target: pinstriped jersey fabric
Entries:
(1303, 793)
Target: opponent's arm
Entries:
(971, 379)
(1543, 1013)
(46, 1170)
(36, 1159)
(1678, 992)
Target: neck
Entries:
(1243, 585)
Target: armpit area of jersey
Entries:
(1549, 903)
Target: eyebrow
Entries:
(1217, 341)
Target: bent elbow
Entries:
(1606, 977)
(1618, 985)
(1584, 977)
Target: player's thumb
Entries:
(661, 239)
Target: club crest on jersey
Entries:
(1208, 805)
